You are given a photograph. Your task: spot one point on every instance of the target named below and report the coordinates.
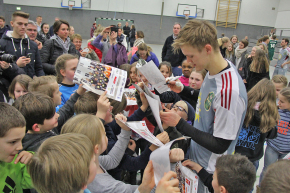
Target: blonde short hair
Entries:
(280, 79)
(86, 124)
(62, 164)
(87, 103)
(42, 84)
(197, 33)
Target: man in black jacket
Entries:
(17, 43)
(175, 59)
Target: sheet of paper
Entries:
(154, 76)
(141, 128)
(153, 103)
(156, 97)
(188, 180)
(287, 156)
(97, 77)
(130, 96)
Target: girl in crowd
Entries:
(139, 39)
(245, 69)
(240, 54)
(279, 147)
(258, 69)
(260, 121)
(165, 69)
(280, 82)
(57, 45)
(189, 94)
(104, 45)
(235, 41)
(144, 52)
(43, 34)
(265, 49)
(77, 41)
(186, 71)
(19, 86)
(223, 44)
(230, 53)
(71, 31)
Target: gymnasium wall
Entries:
(255, 15)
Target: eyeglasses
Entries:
(178, 108)
(33, 30)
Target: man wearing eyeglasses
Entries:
(31, 32)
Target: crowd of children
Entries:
(58, 137)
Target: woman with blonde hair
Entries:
(234, 39)
(230, 53)
(260, 121)
(258, 69)
(223, 44)
(144, 52)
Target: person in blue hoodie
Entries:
(3, 27)
(144, 52)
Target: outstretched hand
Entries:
(169, 118)
(120, 120)
(167, 184)
(148, 181)
(103, 106)
(176, 155)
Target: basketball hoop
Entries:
(70, 7)
(186, 16)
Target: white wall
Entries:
(253, 12)
(283, 17)
(259, 12)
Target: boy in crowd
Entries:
(283, 58)
(276, 179)
(222, 100)
(234, 173)
(41, 119)
(3, 27)
(14, 176)
(47, 85)
(271, 47)
(50, 173)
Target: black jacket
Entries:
(126, 30)
(50, 52)
(132, 36)
(21, 47)
(251, 140)
(3, 30)
(42, 37)
(168, 55)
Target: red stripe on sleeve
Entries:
(230, 77)
(226, 91)
(222, 95)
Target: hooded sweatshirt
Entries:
(21, 47)
(14, 177)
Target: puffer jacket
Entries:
(50, 52)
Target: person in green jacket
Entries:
(14, 176)
(271, 46)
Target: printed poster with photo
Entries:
(130, 95)
(188, 180)
(97, 77)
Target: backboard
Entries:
(74, 3)
(183, 9)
